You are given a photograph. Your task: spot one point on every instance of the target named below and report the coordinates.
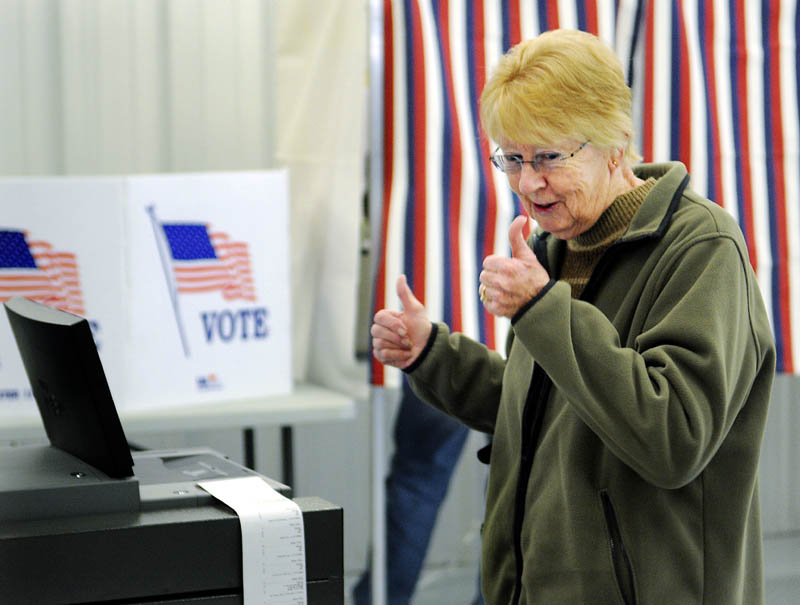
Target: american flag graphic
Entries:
(204, 261)
(35, 270)
(715, 86)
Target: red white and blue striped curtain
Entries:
(714, 86)
(716, 83)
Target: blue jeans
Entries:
(427, 446)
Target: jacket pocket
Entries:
(623, 570)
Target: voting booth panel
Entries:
(209, 288)
(60, 243)
(184, 279)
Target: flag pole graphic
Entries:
(161, 244)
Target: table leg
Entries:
(287, 453)
(287, 456)
(249, 448)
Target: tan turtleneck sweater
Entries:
(584, 251)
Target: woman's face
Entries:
(567, 197)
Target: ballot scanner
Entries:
(84, 520)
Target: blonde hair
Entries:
(561, 84)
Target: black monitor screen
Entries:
(69, 385)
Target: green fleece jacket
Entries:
(626, 424)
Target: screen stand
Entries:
(38, 482)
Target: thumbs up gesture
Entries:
(509, 283)
(398, 337)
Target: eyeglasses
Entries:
(541, 162)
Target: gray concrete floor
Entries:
(782, 569)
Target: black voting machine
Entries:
(83, 520)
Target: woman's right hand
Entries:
(398, 337)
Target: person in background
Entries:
(627, 419)
(427, 446)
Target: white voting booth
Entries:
(184, 279)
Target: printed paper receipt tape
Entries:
(273, 544)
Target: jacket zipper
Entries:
(623, 570)
(532, 417)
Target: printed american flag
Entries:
(715, 86)
(35, 270)
(204, 261)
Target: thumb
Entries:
(407, 298)
(519, 248)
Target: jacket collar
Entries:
(658, 207)
(651, 220)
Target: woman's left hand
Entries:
(509, 283)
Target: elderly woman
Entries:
(627, 419)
